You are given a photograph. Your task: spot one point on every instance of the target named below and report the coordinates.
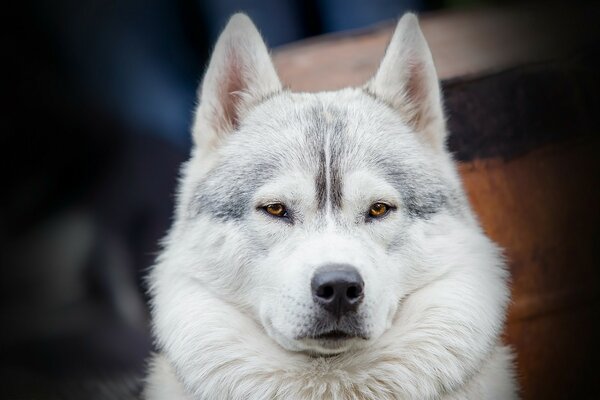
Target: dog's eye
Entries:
(378, 210)
(276, 210)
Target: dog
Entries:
(323, 246)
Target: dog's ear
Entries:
(407, 80)
(240, 73)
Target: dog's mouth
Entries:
(336, 334)
(332, 342)
(321, 337)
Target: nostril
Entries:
(325, 292)
(353, 292)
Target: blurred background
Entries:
(97, 103)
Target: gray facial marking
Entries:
(337, 154)
(327, 150)
(321, 180)
(326, 127)
(226, 192)
(423, 195)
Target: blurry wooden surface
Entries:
(462, 43)
(522, 93)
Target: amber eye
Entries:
(378, 210)
(276, 210)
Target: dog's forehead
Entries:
(345, 117)
(325, 136)
(297, 128)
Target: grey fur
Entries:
(328, 121)
(423, 195)
(226, 192)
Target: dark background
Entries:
(97, 102)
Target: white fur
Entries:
(231, 299)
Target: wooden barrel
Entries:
(522, 92)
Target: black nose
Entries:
(338, 288)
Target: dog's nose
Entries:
(338, 288)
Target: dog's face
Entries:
(307, 212)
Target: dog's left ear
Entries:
(407, 80)
(240, 73)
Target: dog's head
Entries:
(309, 212)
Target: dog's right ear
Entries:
(240, 74)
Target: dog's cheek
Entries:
(285, 298)
(428, 248)
(384, 289)
(221, 257)
(386, 244)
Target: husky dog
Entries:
(323, 247)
